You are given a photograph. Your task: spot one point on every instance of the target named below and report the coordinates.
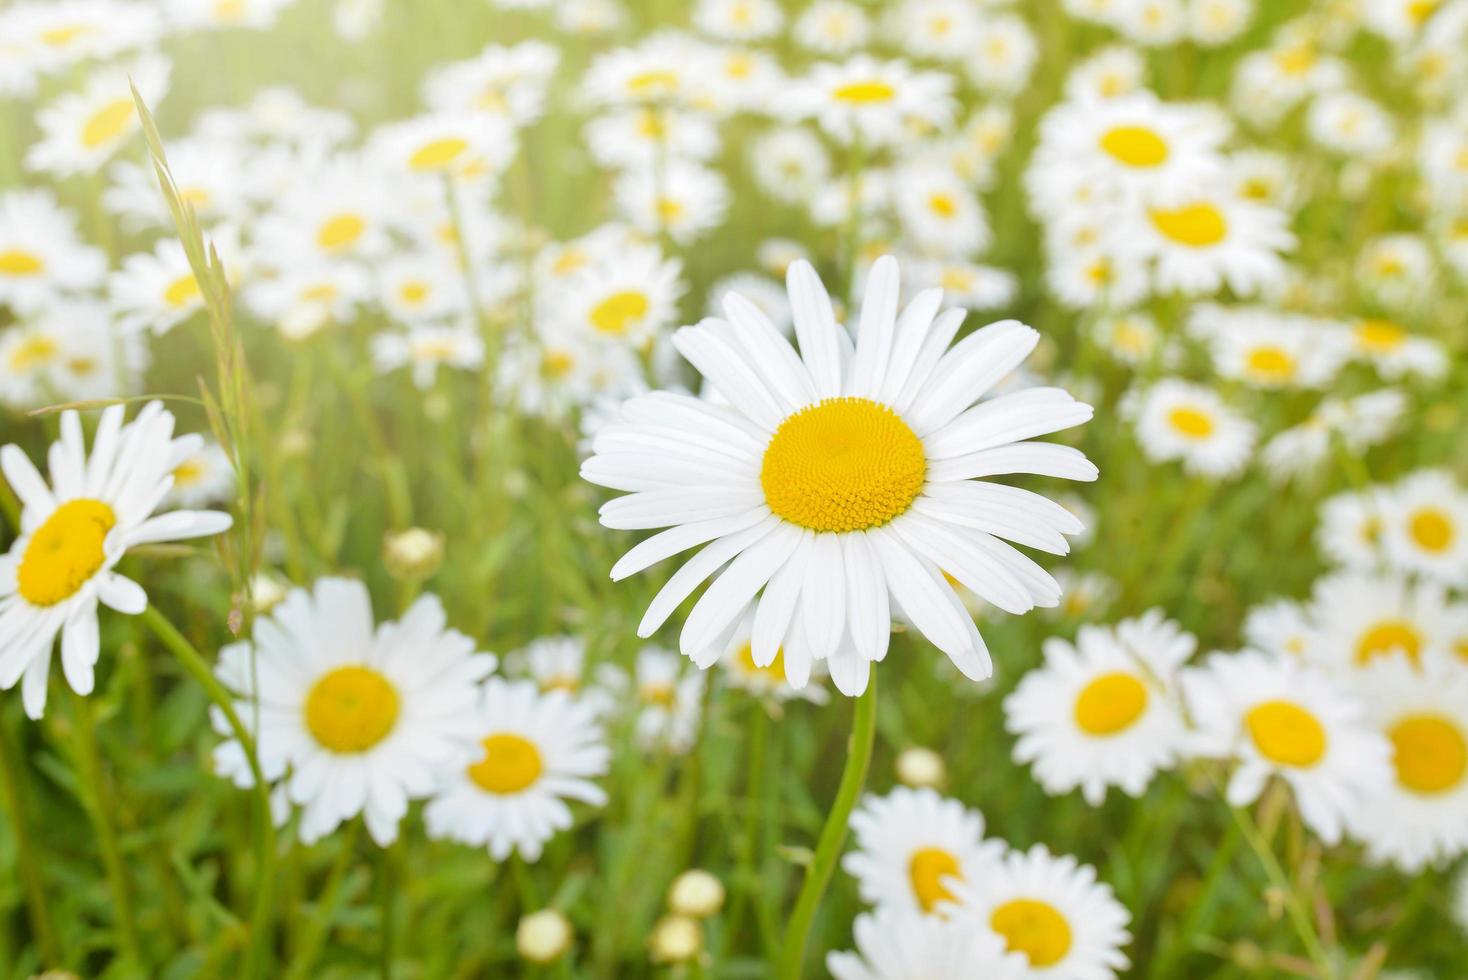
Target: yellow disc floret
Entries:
(1034, 928)
(1286, 733)
(1430, 753)
(843, 464)
(351, 709)
(511, 764)
(1135, 146)
(928, 869)
(1111, 703)
(64, 552)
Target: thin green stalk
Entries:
(747, 875)
(304, 958)
(98, 803)
(833, 834)
(1178, 946)
(37, 908)
(194, 664)
(389, 881)
(1294, 905)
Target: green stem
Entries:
(1294, 906)
(37, 908)
(99, 808)
(388, 883)
(833, 834)
(305, 957)
(1178, 945)
(195, 665)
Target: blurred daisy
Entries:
(427, 347)
(1216, 22)
(1280, 718)
(1421, 817)
(683, 200)
(789, 164)
(947, 30)
(1110, 72)
(81, 130)
(558, 663)
(1281, 628)
(666, 700)
(73, 532)
(938, 212)
(536, 751)
(1178, 420)
(353, 719)
(155, 291)
(208, 175)
(838, 481)
(1351, 125)
(912, 846)
(875, 101)
(554, 372)
(643, 138)
(1269, 350)
(1204, 241)
(40, 252)
(465, 146)
(1131, 338)
(626, 300)
(1394, 352)
(1052, 911)
(769, 681)
(832, 27)
(508, 81)
(1359, 618)
(966, 284)
(1349, 532)
(204, 477)
(738, 20)
(897, 944)
(1004, 54)
(1425, 526)
(1095, 716)
(1397, 268)
(417, 288)
(333, 211)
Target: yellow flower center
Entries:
(653, 82)
(1431, 754)
(413, 292)
(1296, 60)
(229, 11)
(33, 352)
(1194, 225)
(617, 313)
(511, 764)
(1271, 364)
(107, 123)
(843, 464)
(65, 552)
(1110, 703)
(1034, 928)
(60, 37)
(1379, 336)
(1135, 146)
(943, 205)
(17, 262)
(188, 473)
(927, 870)
(1286, 733)
(556, 364)
(1191, 422)
(660, 693)
(182, 291)
(1431, 529)
(1129, 337)
(323, 292)
(669, 209)
(1420, 10)
(865, 93)
(774, 671)
(438, 154)
(340, 232)
(351, 709)
(1389, 636)
(956, 279)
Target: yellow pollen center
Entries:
(556, 364)
(438, 154)
(1431, 754)
(669, 209)
(340, 232)
(1271, 364)
(1386, 637)
(511, 764)
(1295, 60)
(1431, 529)
(1379, 336)
(653, 82)
(865, 93)
(1420, 10)
(60, 37)
(927, 870)
(65, 552)
(351, 709)
(1286, 733)
(16, 262)
(1194, 225)
(188, 473)
(843, 464)
(660, 693)
(618, 312)
(943, 205)
(1110, 704)
(107, 123)
(1034, 928)
(774, 671)
(1135, 146)
(33, 352)
(182, 291)
(1191, 422)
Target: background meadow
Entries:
(123, 851)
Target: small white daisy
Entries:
(898, 944)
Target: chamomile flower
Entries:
(1396, 353)
(1131, 338)
(875, 101)
(465, 146)
(1204, 240)
(1004, 54)
(1178, 420)
(338, 210)
(966, 284)
(832, 27)
(1110, 72)
(1425, 526)
(1052, 911)
(81, 130)
(943, 29)
(207, 174)
(764, 292)
(537, 750)
(642, 138)
(1095, 715)
(557, 370)
(73, 532)
(684, 200)
(938, 212)
(912, 846)
(426, 347)
(838, 481)
(41, 255)
(1360, 618)
(1216, 22)
(1351, 125)
(509, 81)
(624, 300)
(256, 15)
(1280, 628)
(1281, 718)
(1421, 816)
(203, 477)
(555, 663)
(789, 164)
(1396, 268)
(353, 718)
(666, 700)
(738, 20)
(418, 288)
(897, 944)
(60, 33)
(300, 300)
(1350, 529)
(1271, 350)
(155, 291)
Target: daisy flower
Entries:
(1095, 715)
(353, 719)
(832, 27)
(1111, 72)
(684, 199)
(504, 81)
(73, 532)
(1131, 338)
(40, 252)
(1350, 125)
(1395, 353)
(81, 130)
(1421, 817)
(738, 20)
(642, 137)
(1396, 268)
(1280, 628)
(1052, 911)
(336, 210)
(417, 288)
(1280, 718)
(1270, 350)
(789, 164)
(555, 663)
(1202, 241)
(1425, 526)
(204, 477)
(465, 146)
(209, 175)
(1216, 22)
(769, 681)
(1179, 420)
(938, 212)
(1359, 618)
(1350, 528)
(536, 751)
(1004, 54)
(626, 299)
(839, 482)
(966, 284)
(875, 101)
(946, 30)
(155, 291)
(897, 944)
(427, 347)
(913, 846)
(666, 700)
